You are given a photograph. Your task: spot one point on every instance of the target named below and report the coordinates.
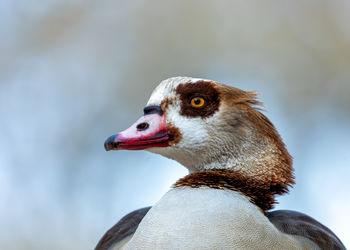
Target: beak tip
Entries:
(106, 146)
(111, 144)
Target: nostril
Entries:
(142, 126)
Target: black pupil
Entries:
(197, 101)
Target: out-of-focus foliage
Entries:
(74, 72)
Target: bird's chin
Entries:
(178, 155)
(164, 151)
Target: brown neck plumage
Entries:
(260, 193)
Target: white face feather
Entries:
(194, 130)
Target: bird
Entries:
(237, 164)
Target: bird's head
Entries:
(205, 125)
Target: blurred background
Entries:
(73, 73)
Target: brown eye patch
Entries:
(200, 89)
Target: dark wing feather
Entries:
(125, 227)
(295, 223)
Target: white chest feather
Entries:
(204, 218)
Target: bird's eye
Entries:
(197, 102)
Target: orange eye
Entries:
(197, 102)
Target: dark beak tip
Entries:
(110, 143)
(106, 146)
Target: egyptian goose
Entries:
(237, 163)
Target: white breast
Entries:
(204, 218)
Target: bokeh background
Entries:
(73, 73)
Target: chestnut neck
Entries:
(261, 193)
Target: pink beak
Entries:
(148, 131)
